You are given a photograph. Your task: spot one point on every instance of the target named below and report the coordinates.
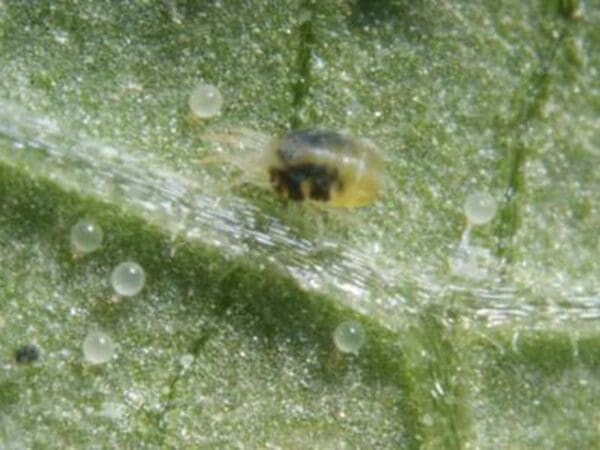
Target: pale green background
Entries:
(460, 96)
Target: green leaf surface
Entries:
(478, 336)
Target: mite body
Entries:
(319, 165)
(325, 166)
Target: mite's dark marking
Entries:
(296, 182)
(27, 354)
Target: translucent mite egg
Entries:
(326, 166)
(98, 347)
(86, 236)
(128, 279)
(205, 101)
(349, 336)
(480, 208)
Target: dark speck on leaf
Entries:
(27, 354)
